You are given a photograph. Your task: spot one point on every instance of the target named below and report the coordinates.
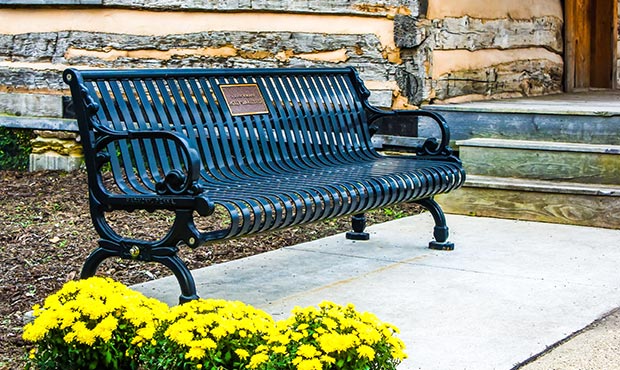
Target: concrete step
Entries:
(542, 160)
(520, 122)
(536, 200)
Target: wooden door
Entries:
(591, 29)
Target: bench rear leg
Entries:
(358, 223)
(440, 231)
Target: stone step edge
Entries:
(539, 145)
(519, 108)
(509, 183)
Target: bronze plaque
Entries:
(244, 99)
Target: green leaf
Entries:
(107, 357)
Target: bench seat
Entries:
(271, 148)
(306, 195)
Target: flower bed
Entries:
(98, 323)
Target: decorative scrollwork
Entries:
(89, 103)
(174, 183)
(433, 147)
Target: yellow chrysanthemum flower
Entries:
(307, 351)
(367, 352)
(242, 353)
(257, 360)
(308, 364)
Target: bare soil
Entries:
(46, 233)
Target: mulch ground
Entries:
(46, 233)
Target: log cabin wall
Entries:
(494, 49)
(407, 51)
(37, 42)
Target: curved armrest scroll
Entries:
(177, 181)
(431, 146)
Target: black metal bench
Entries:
(273, 148)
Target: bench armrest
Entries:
(180, 187)
(177, 181)
(431, 146)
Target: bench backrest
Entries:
(235, 119)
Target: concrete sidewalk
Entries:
(508, 291)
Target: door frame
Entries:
(590, 44)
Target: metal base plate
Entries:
(445, 246)
(351, 235)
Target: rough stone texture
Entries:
(409, 32)
(23, 78)
(388, 7)
(418, 37)
(506, 79)
(55, 150)
(51, 161)
(33, 105)
(412, 77)
(61, 135)
(33, 47)
(518, 78)
(359, 47)
(59, 143)
(245, 49)
(474, 34)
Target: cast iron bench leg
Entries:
(358, 223)
(171, 261)
(441, 231)
(89, 269)
(183, 275)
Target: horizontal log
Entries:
(516, 78)
(57, 46)
(567, 162)
(530, 126)
(379, 8)
(476, 34)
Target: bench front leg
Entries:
(183, 275)
(96, 257)
(167, 256)
(440, 231)
(163, 251)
